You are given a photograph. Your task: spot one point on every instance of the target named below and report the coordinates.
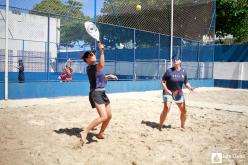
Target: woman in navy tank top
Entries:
(97, 96)
(172, 82)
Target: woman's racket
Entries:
(92, 30)
(177, 95)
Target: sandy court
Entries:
(45, 131)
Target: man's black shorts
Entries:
(98, 97)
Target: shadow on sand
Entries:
(76, 132)
(154, 124)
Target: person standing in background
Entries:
(20, 67)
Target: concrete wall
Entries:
(57, 89)
(28, 37)
(231, 66)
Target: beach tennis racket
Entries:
(177, 95)
(92, 30)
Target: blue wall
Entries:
(41, 76)
(56, 89)
(231, 83)
(46, 89)
(231, 53)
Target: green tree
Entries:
(71, 28)
(232, 18)
(55, 7)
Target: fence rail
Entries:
(45, 41)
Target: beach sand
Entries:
(46, 131)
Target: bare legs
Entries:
(105, 116)
(166, 109)
(182, 108)
(105, 123)
(164, 113)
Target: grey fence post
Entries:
(48, 45)
(241, 73)
(45, 56)
(134, 55)
(158, 54)
(6, 70)
(115, 63)
(181, 48)
(213, 61)
(198, 61)
(23, 48)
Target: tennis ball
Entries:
(138, 7)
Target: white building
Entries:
(28, 37)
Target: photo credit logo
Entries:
(219, 157)
(216, 158)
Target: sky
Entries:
(88, 5)
(88, 8)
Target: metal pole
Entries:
(241, 68)
(6, 80)
(214, 40)
(181, 48)
(213, 44)
(198, 61)
(171, 44)
(134, 55)
(95, 18)
(23, 48)
(159, 47)
(94, 11)
(48, 45)
(214, 18)
(115, 63)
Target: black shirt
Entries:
(96, 77)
